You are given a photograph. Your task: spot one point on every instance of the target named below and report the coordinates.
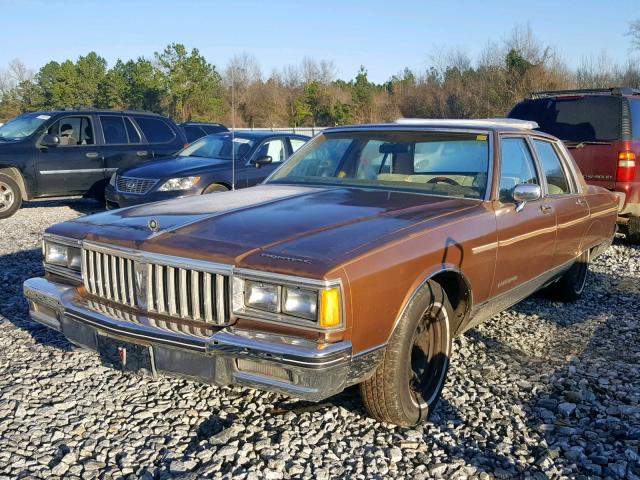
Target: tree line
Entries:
(184, 85)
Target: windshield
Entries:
(439, 163)
(219, 146)
(578, 119)
(22, 126)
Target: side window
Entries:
(296, 143)
(517, 167)
(193, 133)
(371, 160)
(155, 129)
(557, 182)
(73, 131)
(114, 130)
(273, 148)
(134, 135)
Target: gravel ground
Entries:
(544, 390)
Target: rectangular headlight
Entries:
(55, 254)
(262, 296)
(63, 255)
(300, 302)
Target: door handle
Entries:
(92, 155)
(581, 201)
(142, 153)
(546, 209)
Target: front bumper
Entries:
(293, 366)
(117, 199)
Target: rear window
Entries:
(193, 133)
(214, 129)
(155, 129)
(635, 118)
(579, 119)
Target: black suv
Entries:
(75, 152)
(195, 130)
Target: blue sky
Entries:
(384, 36)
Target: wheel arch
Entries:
(225, 184)
(16, 175)
(458, 289)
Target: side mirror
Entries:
(259, 162)
(525, 192)
(50, 140)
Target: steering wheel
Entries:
(447, 180)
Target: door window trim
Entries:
(95, 144)
(536, 167)
(563, 166)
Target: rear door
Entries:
(564, 195)
(276, 148)
(123, 143)
(73, 167)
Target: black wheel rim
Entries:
(429, 357)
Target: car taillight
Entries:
(626, 166)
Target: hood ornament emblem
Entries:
(153, 225)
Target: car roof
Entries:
(89, 111)
(500, 125)
(212, 124)
(257, 134)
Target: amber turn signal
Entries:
(330, 308)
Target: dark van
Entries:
(74, 152)
(601, 128)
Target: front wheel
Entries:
(406, 386)
(215, 188)
(10, 196)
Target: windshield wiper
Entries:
(585, 143)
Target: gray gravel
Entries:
(545, 390)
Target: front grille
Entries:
(134, 185)
(155, 287)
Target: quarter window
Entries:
(73, 131)
(296, 143)
(114, 130)
(517, 167)
(557, 182)
(156, 130)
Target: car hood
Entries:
(175, 167)
(286, 229)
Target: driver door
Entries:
(526, 239)
(276, 149)
(73, 166)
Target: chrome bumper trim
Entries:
(314, 371)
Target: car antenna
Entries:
(233, 128)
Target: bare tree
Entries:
(634, 33)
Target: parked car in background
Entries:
(195, 130)
(356, 262)
(75, 152)
(601, 128)
(204, 167)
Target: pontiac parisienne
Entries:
(356, 262)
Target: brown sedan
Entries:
(356, 262)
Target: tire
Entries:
(215, 188)
(10, 196)
(633, 230)
(570, 286)
(406, 386)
